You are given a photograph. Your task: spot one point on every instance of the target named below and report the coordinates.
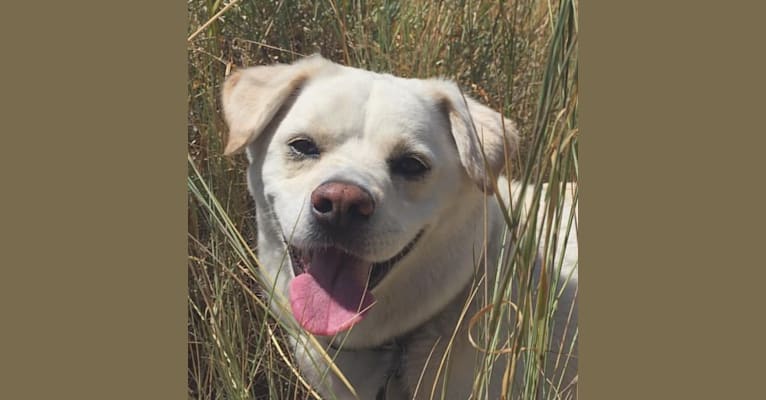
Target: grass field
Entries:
(517, 57)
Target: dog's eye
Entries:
(304, 146)
(409, 166)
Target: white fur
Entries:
(358, 118)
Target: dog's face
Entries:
(361, 165)
(355, 168)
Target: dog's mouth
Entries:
(331, 289)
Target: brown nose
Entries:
(339, 204)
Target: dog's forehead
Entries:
(358, 103)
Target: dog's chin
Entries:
(331, 289)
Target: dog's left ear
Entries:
(484, 138)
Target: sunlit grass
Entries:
(519, 58)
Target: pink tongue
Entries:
(331, 296)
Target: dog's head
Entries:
(355, 168)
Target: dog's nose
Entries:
(340, 204)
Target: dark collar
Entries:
(394, 370)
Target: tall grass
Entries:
(517, 57)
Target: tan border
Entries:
(93, 282)
(671, 271)
(94, 200)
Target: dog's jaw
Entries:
(331, 290)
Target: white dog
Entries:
(374, 222)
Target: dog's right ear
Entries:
(252, 97)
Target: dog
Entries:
(376, 223)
